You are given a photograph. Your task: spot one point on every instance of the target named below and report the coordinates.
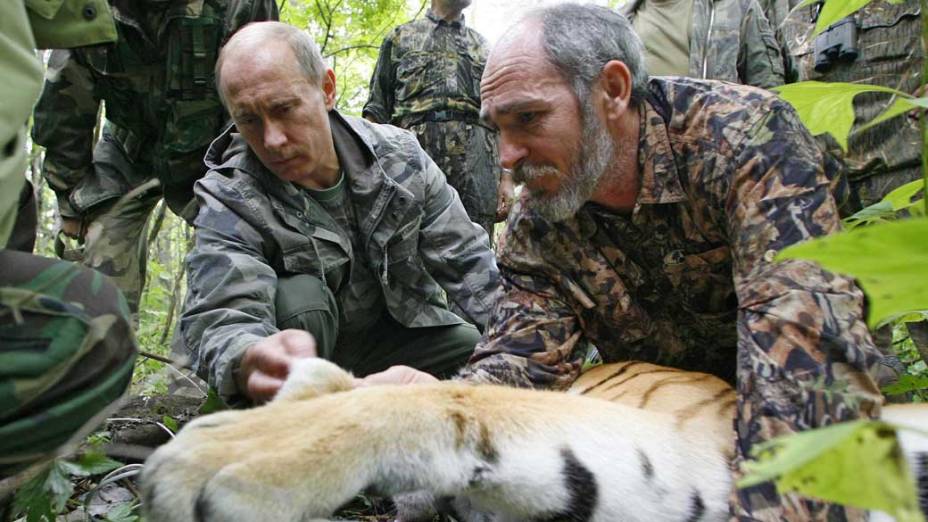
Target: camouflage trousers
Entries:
(66, 353)
(115, 223)
(304, 302)
(466, 153)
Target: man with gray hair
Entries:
(322, 235)
(651, 214)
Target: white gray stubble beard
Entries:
(596, 158)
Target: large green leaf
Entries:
(834, 10)
(889, 259)
(829, 107)
(855, 463)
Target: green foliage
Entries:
(888, 259)
(122, 513)
(349, 34)
(213, 403)
(855, 463)
(829, 107)
(889, 207)
(169, 423)
(834, 10)
(47, 494)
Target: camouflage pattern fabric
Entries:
(730, 40)
(66, 353)
(466, 153)
(688, 279)
(887, 155)
(416, 237)
(162, 111)
(427, 80)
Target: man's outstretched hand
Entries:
(267, 363)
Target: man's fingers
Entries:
(298, 343)
(262, 387)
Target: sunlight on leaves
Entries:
(829, 107)
(888, 259)
(855, 463)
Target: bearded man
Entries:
(650, 218)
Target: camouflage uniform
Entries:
(730, 40)
(162, 111)
(253, 230)
(66, 349)
(887, 155)
(427, 80)
(729, 177)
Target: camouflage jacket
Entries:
(161, 103)
(729, 177)
(26, 25)
(891, 55)
(427, 66)
(250, 229)
(730, 40)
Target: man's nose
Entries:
(274, 135)
(511, 152)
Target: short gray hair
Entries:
(307, 53)
(581, 39)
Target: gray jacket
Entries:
(416, 238)
(730, 40)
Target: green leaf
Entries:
(169, 423)
(855, 463)
(122, 513)
(890, 260)
(213, 403)
(96, 463)
(905, 384)
(828, 107)
(33, 501)
(59, 486)
(898, 199)
(901, 197)
(899, 106)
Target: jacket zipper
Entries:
(705, 58)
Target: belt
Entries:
(440, 116)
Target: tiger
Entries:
(628, 441)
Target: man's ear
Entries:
(616, 83)
(329, 89)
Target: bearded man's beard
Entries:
(596, 157)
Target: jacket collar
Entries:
(457, 23)
(660, 178)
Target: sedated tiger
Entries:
(629, 441)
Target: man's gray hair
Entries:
(581, 39)
(307, 53)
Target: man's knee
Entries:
(64, 328)
(304, 302)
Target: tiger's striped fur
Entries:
(630, 441)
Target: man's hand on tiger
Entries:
(267, 363)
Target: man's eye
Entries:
(526, 117)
